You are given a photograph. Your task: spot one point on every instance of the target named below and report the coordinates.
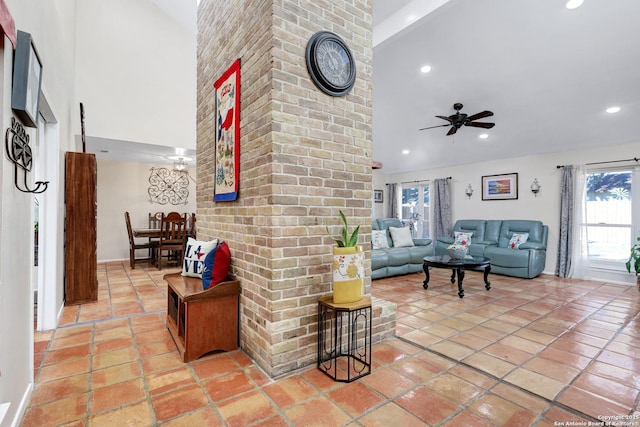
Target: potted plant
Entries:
(348, 265)
(633, 263)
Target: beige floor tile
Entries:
(535, 382)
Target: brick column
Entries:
(304, 156)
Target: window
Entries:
(415, 209)
(609, 214)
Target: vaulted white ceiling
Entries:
(548, 73)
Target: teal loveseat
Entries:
(394, 261)
(491, 238)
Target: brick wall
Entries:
(304, 156)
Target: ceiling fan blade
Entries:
(449, 119)
(431, 127)
(480, 125)
(480, 115)
(452, 130)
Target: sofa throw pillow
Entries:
(517, 239)
(462, 238)
(194, 253)
(401, 237)
(216, 266)
(379, 239)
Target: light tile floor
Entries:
(526, 353)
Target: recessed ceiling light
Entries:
(411, 18)
(574, 4)
(425, 69)
(405, 152)
(483, 136)
(612, 110)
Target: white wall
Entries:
(122, 187)
(545, 207)
(42, 20)
(134, 69)
(136, 72)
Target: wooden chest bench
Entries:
(202, 320)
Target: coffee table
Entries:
(458, 267)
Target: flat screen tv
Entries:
(27, 80)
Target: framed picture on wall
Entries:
(500, 187)
(377, 196)
(27, 80)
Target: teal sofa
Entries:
(397, 261)
(490, 239)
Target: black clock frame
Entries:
(314, 70)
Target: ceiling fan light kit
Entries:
(457, 120)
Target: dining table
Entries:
(152, 233)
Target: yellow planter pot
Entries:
(348, 274)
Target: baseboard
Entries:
(22, 408)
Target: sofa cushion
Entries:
(507, 257)
(379, 239)
(473, 226)
(462, 238)
(517, 239)
(401, 237)
(398, 256)
(379, 259)
(509, 227)
(417, 253)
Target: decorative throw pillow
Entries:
(216, 266)
(517, 240)
(401, 237)
(379, 239)
(194, 253)
(462, 238)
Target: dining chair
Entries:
(191, 224)
(155, 220)
(173, 236)
(150, 246)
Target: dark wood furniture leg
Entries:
(487, 283)
(460, 272)
(425, 284)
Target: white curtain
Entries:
(572, 260)
(579, 268)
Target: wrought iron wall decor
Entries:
(19, 152)
(168, 186)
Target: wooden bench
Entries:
(202, 320)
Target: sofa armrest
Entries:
(422, 242)
(533, 245)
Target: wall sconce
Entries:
(469, 191)
(535, 187)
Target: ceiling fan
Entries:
(458, 119)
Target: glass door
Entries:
(415, 209)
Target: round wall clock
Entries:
(330, 63)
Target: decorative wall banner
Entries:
(168, 186)
(7, 23)
(227, 137)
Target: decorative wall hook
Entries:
(19, 152)
(469, 191)
(535, 187)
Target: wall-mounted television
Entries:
(27, 80)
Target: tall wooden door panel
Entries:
(81, 279)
